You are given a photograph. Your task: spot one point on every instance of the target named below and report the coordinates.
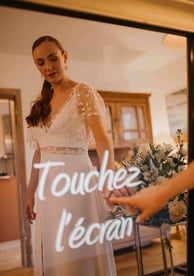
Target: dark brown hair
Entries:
(41, 106)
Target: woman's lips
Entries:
(52, 74)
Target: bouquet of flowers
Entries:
(156, 164)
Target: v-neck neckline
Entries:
(48, 124)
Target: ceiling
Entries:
(95, 42)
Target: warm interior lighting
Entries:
(174, 41)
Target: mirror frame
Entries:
(135, 14)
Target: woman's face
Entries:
(50, 62)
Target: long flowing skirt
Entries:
(61, 213)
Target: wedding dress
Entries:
(65, 138)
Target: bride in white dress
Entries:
(60, 125)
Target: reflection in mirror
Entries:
(7, 113)
(114, 59)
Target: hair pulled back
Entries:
(41, 106)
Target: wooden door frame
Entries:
(19, 162)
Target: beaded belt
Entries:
(62, 150)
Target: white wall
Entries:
(19, 72)
(160, 123)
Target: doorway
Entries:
(13, 175)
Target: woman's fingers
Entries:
(122, 200)
(141, 217)
(143, 202)
(29, 212)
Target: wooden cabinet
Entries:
(128, 120)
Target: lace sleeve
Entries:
(90, 102)
(32, 141)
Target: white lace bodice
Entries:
(68, 128)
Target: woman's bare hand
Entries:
(30, 215)
(118, 193)
(148, 201)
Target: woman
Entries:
(60, 123)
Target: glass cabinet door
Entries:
(128, 118)
(141, 120)
(132, 122)
(109, 121)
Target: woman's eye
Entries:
(40, 63)
(53, 58)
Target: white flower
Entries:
(177, 210)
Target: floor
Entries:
(10, 263)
